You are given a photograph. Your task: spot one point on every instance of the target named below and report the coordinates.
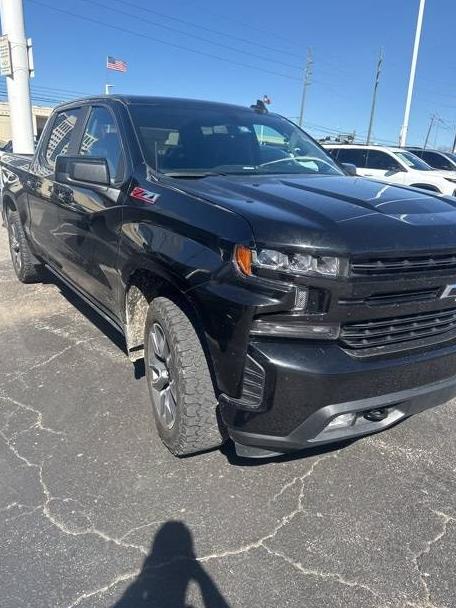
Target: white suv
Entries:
(394, 165)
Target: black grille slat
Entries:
(373, 266)
(384, 332)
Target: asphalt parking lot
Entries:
(95, 513)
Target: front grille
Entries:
(379, 266)
(395, 298)
(399, 331)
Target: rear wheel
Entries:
(26, 266)
(180, 385)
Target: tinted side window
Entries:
(334, 152)
(355, 156)
(376, 159)
(60, 137)
(436, 160)
(101, 138)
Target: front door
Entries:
(383, 166)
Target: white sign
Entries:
(5, 57)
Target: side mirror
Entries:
(74, 170)
(349, 168)
(395, 169)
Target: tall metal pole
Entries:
(374, 96)
(433, 117)
(408, 103)
(454, 144)
(307, 81)
(18, 84)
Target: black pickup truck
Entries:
(275, 298)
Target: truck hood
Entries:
(340, 214)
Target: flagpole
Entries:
(107, 86)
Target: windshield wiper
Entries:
(191, 174)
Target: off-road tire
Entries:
(27, 268)
(195, 427)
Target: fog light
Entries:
(341, 421)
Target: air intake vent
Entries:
(399, 331)
(252, 386)
(379, 266)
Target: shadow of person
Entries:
(171, 576)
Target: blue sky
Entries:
(345, 37)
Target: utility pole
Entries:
(307, 82)
(431, 124)
(18, 82)
(408, 103)
(374, 96)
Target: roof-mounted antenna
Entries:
(260, 107)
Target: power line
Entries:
(171, 44)
(195, 36)
(217, 32)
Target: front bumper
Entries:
(308, 384)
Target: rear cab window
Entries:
(60, 136)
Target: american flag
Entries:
(116, 64)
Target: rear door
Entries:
(92, 216)
(44, 198)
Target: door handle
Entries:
(32, 183)
(63, 195)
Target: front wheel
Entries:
(180, 385)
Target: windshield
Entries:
(412, 161)
(194, 141)
(451, 156)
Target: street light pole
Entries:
(307, 81)
(374, 96)
(18, 85)
(408, 103)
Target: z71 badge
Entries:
(141, 194)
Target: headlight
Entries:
(293, 263)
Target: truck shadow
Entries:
(88, 312)
(168, 573)
(229, 451)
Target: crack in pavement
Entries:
(39, 421)
(320, 573)
(58, 524)
(446, 519)
(119, 579)
(10, 378)
(258, 544)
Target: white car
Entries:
(395, 166)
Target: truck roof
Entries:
(151, 100)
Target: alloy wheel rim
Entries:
(15, 246)
(161, 379)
